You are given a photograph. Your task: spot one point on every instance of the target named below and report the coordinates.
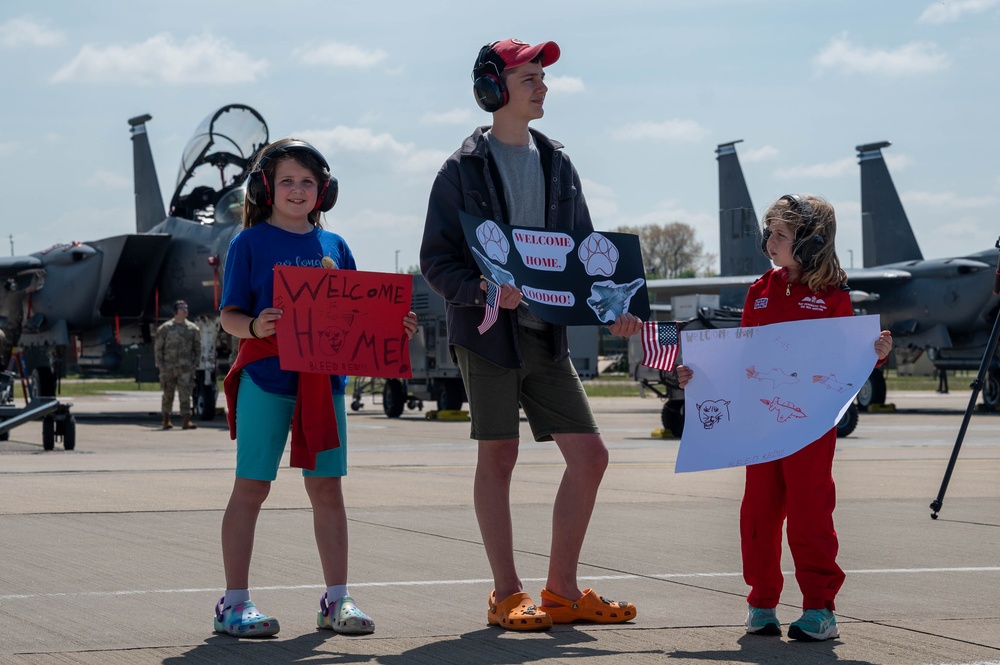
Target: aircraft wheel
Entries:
(69, 433)
(356, 404)
(5, 436)
(873, 392)
(48, 433)
(451, 396)
(848, 422)
(204, 401)
(672, 416)
(991, 390)
(44, 382)
(393, 398)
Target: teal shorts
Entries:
(262, 425)
(549, 391)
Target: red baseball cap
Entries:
(515, 53)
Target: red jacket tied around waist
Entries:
(314, 422)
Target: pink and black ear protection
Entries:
(259, 191)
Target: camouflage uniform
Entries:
(177, 351)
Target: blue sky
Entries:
(643, 93)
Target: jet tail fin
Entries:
(886, 235)
(739, 237)
(148, 201)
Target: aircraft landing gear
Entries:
(393, 398)
(873, 392)
(452, 395)
(848, 422)
(62, 426)
(672, 416)
(205, 395)
(991, 390)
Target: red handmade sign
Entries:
(344, 322)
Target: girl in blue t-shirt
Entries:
(288, 189)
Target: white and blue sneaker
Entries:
(814, 626)
(762, 621)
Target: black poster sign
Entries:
(566, 277)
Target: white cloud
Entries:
(566, 85)
(387, 221)
(354, 139)
(423, 161)
(601, 202)
(907, 60)
(680, 131)
(108, 180)
(667, 212)
(954, 10)
(339, 55)
(602, 211)
(18, 32)
(592, 188)
(760, 154)
(896, 162)
(827, 170)
(381, 240)
(7, 148)
(453, 117)
(948, 200)
(405, 157)
(162, 60)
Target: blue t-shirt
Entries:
(249, 285)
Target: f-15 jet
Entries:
(109, 294)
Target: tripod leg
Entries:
(977, 385)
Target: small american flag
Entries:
(492, 307)
(659, 344)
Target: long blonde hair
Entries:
(818, 233)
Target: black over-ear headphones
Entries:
(259, 190)
(808, 242)
(487, 84)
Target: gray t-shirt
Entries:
(520, 169)
(523, 180)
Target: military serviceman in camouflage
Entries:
(178, 351)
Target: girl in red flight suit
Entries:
(807, 283)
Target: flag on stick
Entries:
(659, 344)
(492, 307)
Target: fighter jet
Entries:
(498, 275)
(945, 307)
(610, 300)
(110, 294)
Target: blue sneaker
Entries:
(243, 620)
(762, 621)
(814, 626)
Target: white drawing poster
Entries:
(760, 394)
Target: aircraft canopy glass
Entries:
(214, 159)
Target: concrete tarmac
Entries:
(110, 553)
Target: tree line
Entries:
(671, 250)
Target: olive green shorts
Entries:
(549, 391)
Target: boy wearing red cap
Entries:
(515, 175)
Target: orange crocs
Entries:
(517, 612)
(590, 607)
